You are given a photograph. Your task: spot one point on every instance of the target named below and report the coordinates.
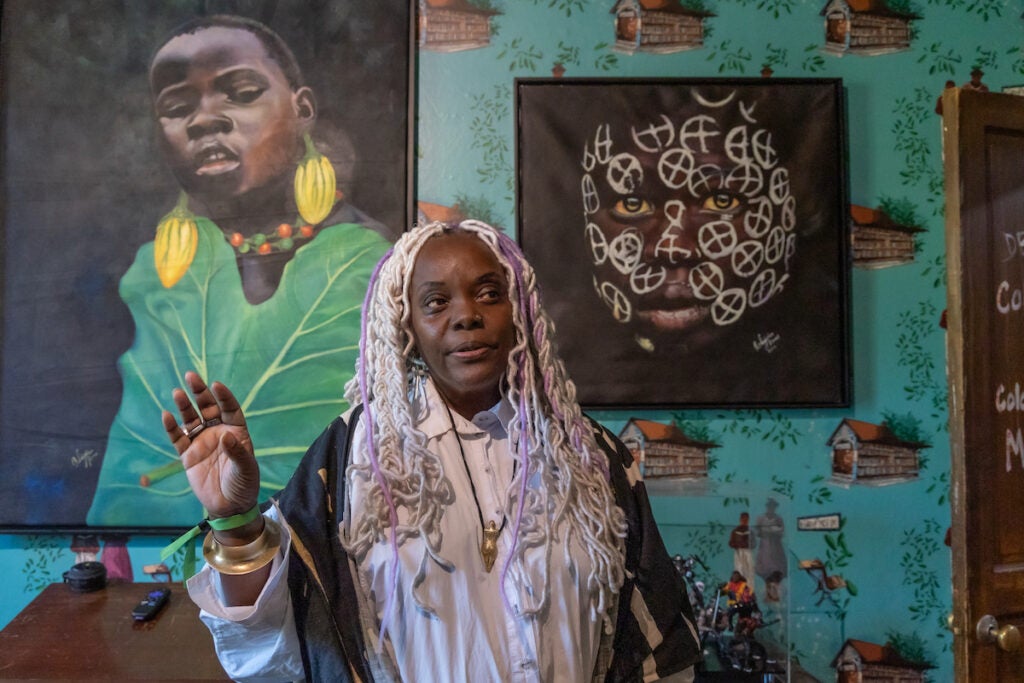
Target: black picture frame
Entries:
(613, 227)
(85, 186)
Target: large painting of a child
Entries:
(255, 259)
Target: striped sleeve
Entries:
(655, 631)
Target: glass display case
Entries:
(752, 595)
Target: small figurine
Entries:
(770, 563)
(975, 82)
(742, 543)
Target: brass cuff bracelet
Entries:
(242, 559)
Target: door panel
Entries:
(984, 148)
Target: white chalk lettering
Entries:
(1014, 446)
(1014, 244)
(1007, 300)
(1008, 401)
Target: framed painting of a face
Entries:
(690, 237)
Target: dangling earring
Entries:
(418, 367)
(177, 238)
(315, 185)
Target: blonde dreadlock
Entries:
(548, 433)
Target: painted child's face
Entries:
(231, 123)
(689, 220)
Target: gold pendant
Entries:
(489, 548)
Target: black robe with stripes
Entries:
(654, 617)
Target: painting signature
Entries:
(84, 457)
(767, 342)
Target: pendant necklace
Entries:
(491, 531)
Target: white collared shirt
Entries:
(470, 634)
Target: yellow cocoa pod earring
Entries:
(315, 185)
(177, 237)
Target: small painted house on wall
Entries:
(453, 25)
(878, 241)
(859, 661)
(659, 26)
(663, 450)
(866, 453)
(865, 27)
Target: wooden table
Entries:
(65, 635)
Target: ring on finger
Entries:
(195, 431)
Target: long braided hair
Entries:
(548, 433)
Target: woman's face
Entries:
(230, 121)
(689, 220)
(462, 319)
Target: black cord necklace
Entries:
(491, 531)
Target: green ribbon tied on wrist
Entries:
(188, 566)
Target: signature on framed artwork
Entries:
(690, 236)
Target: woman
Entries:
(471, 524)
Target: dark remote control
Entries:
(154, 602)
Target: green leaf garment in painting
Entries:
(286, 360)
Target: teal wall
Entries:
(890, 548)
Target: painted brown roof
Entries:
(869, 432)
(658, 431)
(876, 7)
(439, 212)
(460, 5)
(872, 653)
(669, 6)
(868, 217)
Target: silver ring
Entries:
(197, 430)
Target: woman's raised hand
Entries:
(218, 456)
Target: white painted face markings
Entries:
(705, 180)
(729, 230)
(707, 281)
(624, 250)
(675, 167)
(598, 244)
(717, 239)
(745, 179)
(763, 150)
(697, 132)
(646, 278)
(778, 186)
(625, 174)
(747, 258)
(616, 301)
(671, 246)
(758, 219)
(654, 137)
(729, 306)
(591, 200)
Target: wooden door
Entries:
(983, 137)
